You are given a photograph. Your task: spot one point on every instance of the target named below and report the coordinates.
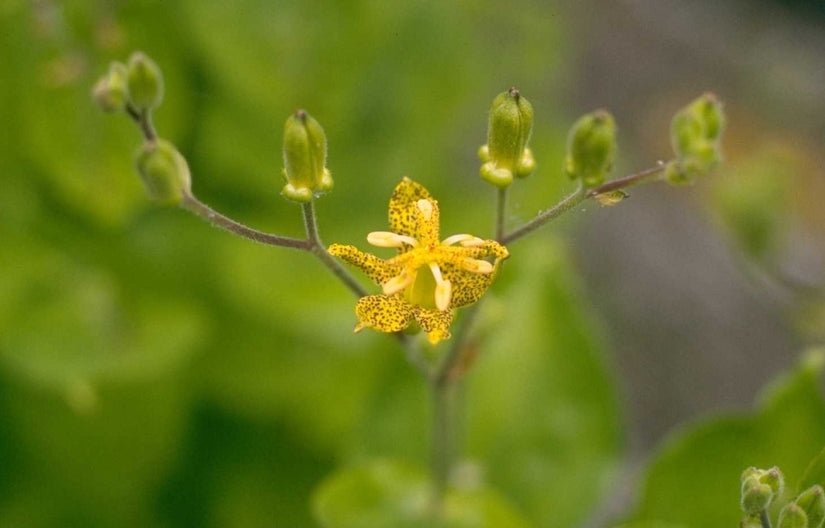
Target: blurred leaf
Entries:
(814, 474)
(753, 200)
(388, 493)
(542, 414)
(65, 322)
(694, 479)
(97, 463)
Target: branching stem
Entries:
(578, 196)
(195, 206)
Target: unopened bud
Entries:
(812, 502)
(756, 496)
(695, 132)
(591, 148)
(751, 521)
(164, 171)
(110, 91)
(760, 487)
(774, 478)
(305, 155)
(506, 154)
(792, 516)
(145, 82)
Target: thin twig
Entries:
(568, 202)
(501, 212)
(319, 250)
(764, 519)
(144, 121)
(627, 181)
(195, 206)
(581, 194)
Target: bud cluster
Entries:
(759, 488)
(807, 511)
(695, 134)
(506, 153)
(137, 86)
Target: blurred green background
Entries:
(157, 372)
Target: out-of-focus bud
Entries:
(145, 82)
(774, 478)
(792, 516)
(305, 156)
(755, 496)
(760, 487)
(110, 91)
(506, 154)
(591, 148)
(164, 172)
(751, 521)
(695, 133)
(812, 502)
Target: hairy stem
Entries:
(568, 202)
(441, 442)
(195, 206)
(144, 121)
(646, 175)
(578, 196)
(319, 250)
(764, 519)
(501, 212)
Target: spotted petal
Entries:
(377, 269)
(405, 216)
(385, 313)
(435, 322)
(468, 287)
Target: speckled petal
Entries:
(377, 269)
(468, 287)
(404, 215)
(435, 323)
(385, 313)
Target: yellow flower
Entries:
(429, 277)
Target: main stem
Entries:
(441, 442)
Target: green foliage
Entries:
(700, 465)
(387, 493)
(547, 442)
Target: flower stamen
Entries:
(398, 283)
(477, 265)
(389, 239)
(443, 288)
(464, 239)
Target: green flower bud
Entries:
(506, 154)
(591, 147)
(695, 132)
(305, 156)
(110, 91)
(792, 516)
(164, 172)
(756, 496)
(145, 82)
(812, 502)
(760, 487)
(751, 521)
(775, 479)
